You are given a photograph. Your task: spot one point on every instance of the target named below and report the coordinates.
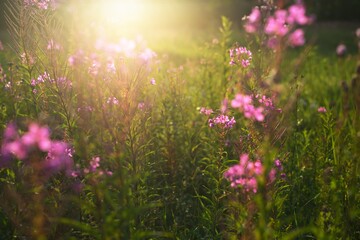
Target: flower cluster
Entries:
(341, 50)
(126, 48)
(41, 4)
(322, 110)
(37, 138)
(112, 101)
(222, 121)
(109, 58)
(267, 103)
(282, 23)
(206, 111)
(94, 167)
(244, 174)
(245, 104)
(45, 77)
(240, 55)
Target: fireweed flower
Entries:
(244, 104)
(37, 137)
(244, 174)
(147, 55)
(113, 101)
(59, 158)
(206, 111)
(297, 14)
(253, 21)
(64, 82)
(59, 155)
(152, 81)
(222, 121)
(341, 50)
(141, 105)
(276, 25)
(41, 4)
(322, 110)
(281, 24)
(93, 168)
(241, 56)
(297, 38)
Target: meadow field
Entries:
(177, 126)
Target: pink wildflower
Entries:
(297, 15)
(341, 50)
(147, 55)
(222, 121)
(112, 100)
(253, 21)
(59, 159)
(37, 135)
(297, 38)
(244, 103)
(240, 55)
(277, 24)
(322, 110)
(244, 174)
(152, 81)
(41, 4)
(206, 111)
(141, 105)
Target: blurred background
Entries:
(203, 13)
(177, 25)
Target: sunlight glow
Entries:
(122, 12)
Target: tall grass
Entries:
(105, 139)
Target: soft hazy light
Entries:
(122, 12)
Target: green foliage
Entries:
(161, 174)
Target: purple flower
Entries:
(322, 110)
(244, 174)
(37, 136)
(152, 81)
(276, 25)
(341, 50)
(297, 15)
(297, 38)
(113, 101)
(59, 159)
(244, 104)
(141, 105)
(41, 4)
(206, 111)
(223, 121)
(241, 56)
(253, 21)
